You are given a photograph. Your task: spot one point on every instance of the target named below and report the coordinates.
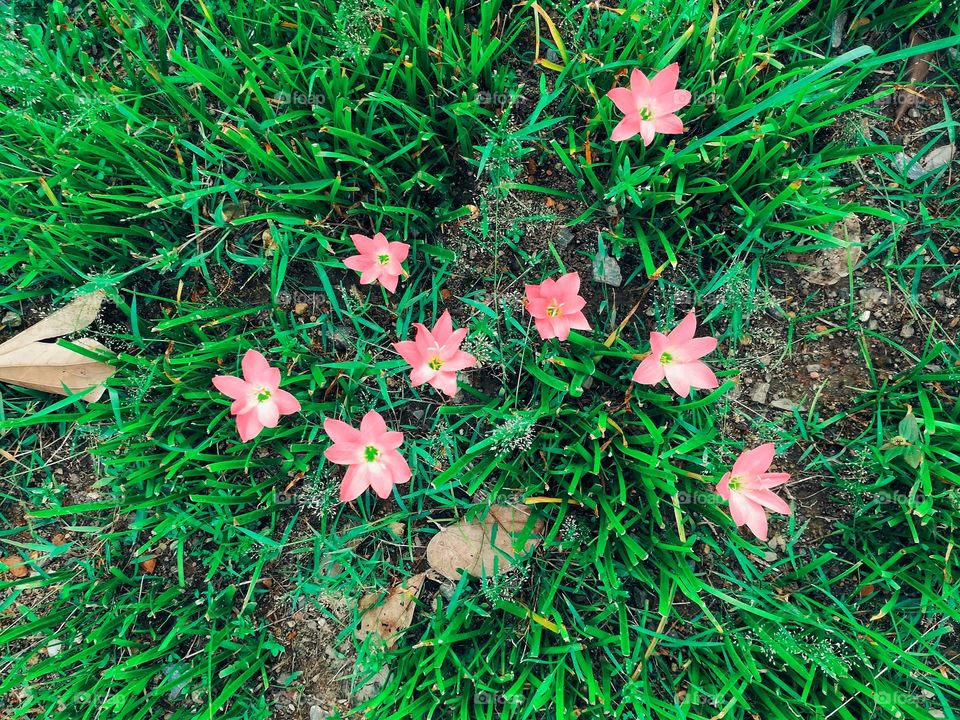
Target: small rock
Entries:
(318, 713)
(54, 647)
(814, 368)
(913, 112)
(873, 325)
(760, 392)
(864, 316)
(606, 270)
(785, 404)
(907, 331)
(300, 309)
(11, 320)
(870, 297)
(770, 556)
(564, 237)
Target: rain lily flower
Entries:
(378, 260)
(747, 488)
(371, 454)
(649, 105)
(258, 401)
(557, 307)
(676, 357)
(435, 355)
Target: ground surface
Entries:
(205, 166)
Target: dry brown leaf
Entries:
(50, 368)
(28, 362)
(830, 265)
(72, 317)
(918, 67)
(387, 620)
(148, 566)
(15, 566)
(482, 547)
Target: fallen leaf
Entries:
(148, 566)
(15, 566)
(918, 67)
(484, 547)
(387, 620)
(829, 266)
(27, 361)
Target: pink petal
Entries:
(623, 99)
(770, 480)
(745, 512)
(344, 453)
(397, 464)
(650, 371)
(561, 327)
(358, 263)
(257, 371)
(532, 291)
(698, 375)
(355, 481)
(390, 440)
(752, 463)
(768, 499)
(647, 131)
(757, 522)
(409, 352)
(666, 80)
(233, 387)
(694, 349)
(248, 425)
(577, 321)
(545, 328)
(367, 245)
(287, 404)
(460, 361)
(244, 404)
(372, 427)
(639, 84)
(389, 281)
(723, 487)
(340, 432)
(685, 331)
(381, 479)
(670, 102)
(452, 343)
(268, 414)
(445, 382)
(568, 286)
(627, 128)
(371, 274)
(422, 374)
(443, 328)
(668, 125)
(399, 251)
(658, 342)
(677, 378)
(538, 307)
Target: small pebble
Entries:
(865, 316)
(907, 331)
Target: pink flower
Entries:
(676, 357)
(557, 307)
(370, 452)
(378, 260)
(258, 401)
(435, 355)
(747, 488)
(649, 105)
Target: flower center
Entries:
(554, 308)
(666, 358)
(645, 112)
(435, 363)
(735, 483)
(383, 259)
(371, 453)
(262, 394)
